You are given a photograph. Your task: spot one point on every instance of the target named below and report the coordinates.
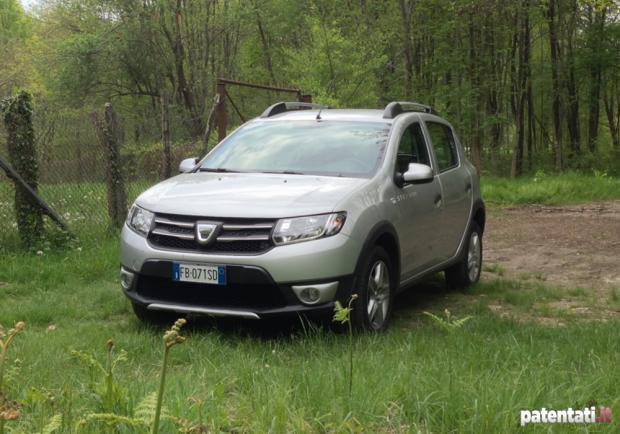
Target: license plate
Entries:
(199, 273)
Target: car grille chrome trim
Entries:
(230, 227)
(236, 235)
(166, 233)
(164, 221)
(226, 239)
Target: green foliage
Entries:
(448, 324)
(82, 53)
(109, 394)
(17, 114)
(54, 425)
(9, 410)
(342, 315)
(113, 398)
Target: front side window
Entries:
(412, 148)
(332, 148)
(443, 144)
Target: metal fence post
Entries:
(221, 111)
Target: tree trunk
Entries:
(555, 78)
(210, 121)
(598, 21)
(165, 132)
(405, 12)
(612, 109)
(527, 79)
(574, 130)
(109, 133)
(519, 87)
(474, 73)
(494, 86)
(266, 49)
(183, 87)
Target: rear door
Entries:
(456, 189)
(418, 205)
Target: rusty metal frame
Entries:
(223, 95)
(34, 196)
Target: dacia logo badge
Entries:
(206, 232)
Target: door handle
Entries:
(438, 200)
(468, 187)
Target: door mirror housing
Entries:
(187, 164)
(418, 174)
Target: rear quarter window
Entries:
(444, 145)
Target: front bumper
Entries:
(250, 292)
(314, 260)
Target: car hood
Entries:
(255, 195)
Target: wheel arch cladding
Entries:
(383, 234)
(479, 215)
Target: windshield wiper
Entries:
(218, 170)
(283, 172)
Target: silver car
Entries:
(304, 206)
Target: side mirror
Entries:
(187, 164)
(418, 174)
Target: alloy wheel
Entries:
(474, 256)
(378, 294)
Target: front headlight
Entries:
(140, 220)
(295, 230)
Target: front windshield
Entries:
(336, 148)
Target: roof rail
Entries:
(395, 108)
(282, 107)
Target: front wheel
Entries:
(466, 272)
(375, 281)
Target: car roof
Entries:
(352, 115)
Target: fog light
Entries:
(310, 295)
(317, 293)
(126, 278)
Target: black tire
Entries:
(373, 308)
(467, 270)
(155, 317)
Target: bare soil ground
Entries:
(572, 248)
(576, 246)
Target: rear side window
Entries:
(412, 148)
(443, 144)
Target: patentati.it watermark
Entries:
(581, 416)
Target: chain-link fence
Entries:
(73, 160)
(72, 173)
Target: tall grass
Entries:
(248, 380)
(550, 189)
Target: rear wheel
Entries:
(374, 283)
(466, 272)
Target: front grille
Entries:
(232, 295)
(237, 236)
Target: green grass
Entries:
(296, 381)
(550, 190)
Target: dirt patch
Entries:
(576, 246)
